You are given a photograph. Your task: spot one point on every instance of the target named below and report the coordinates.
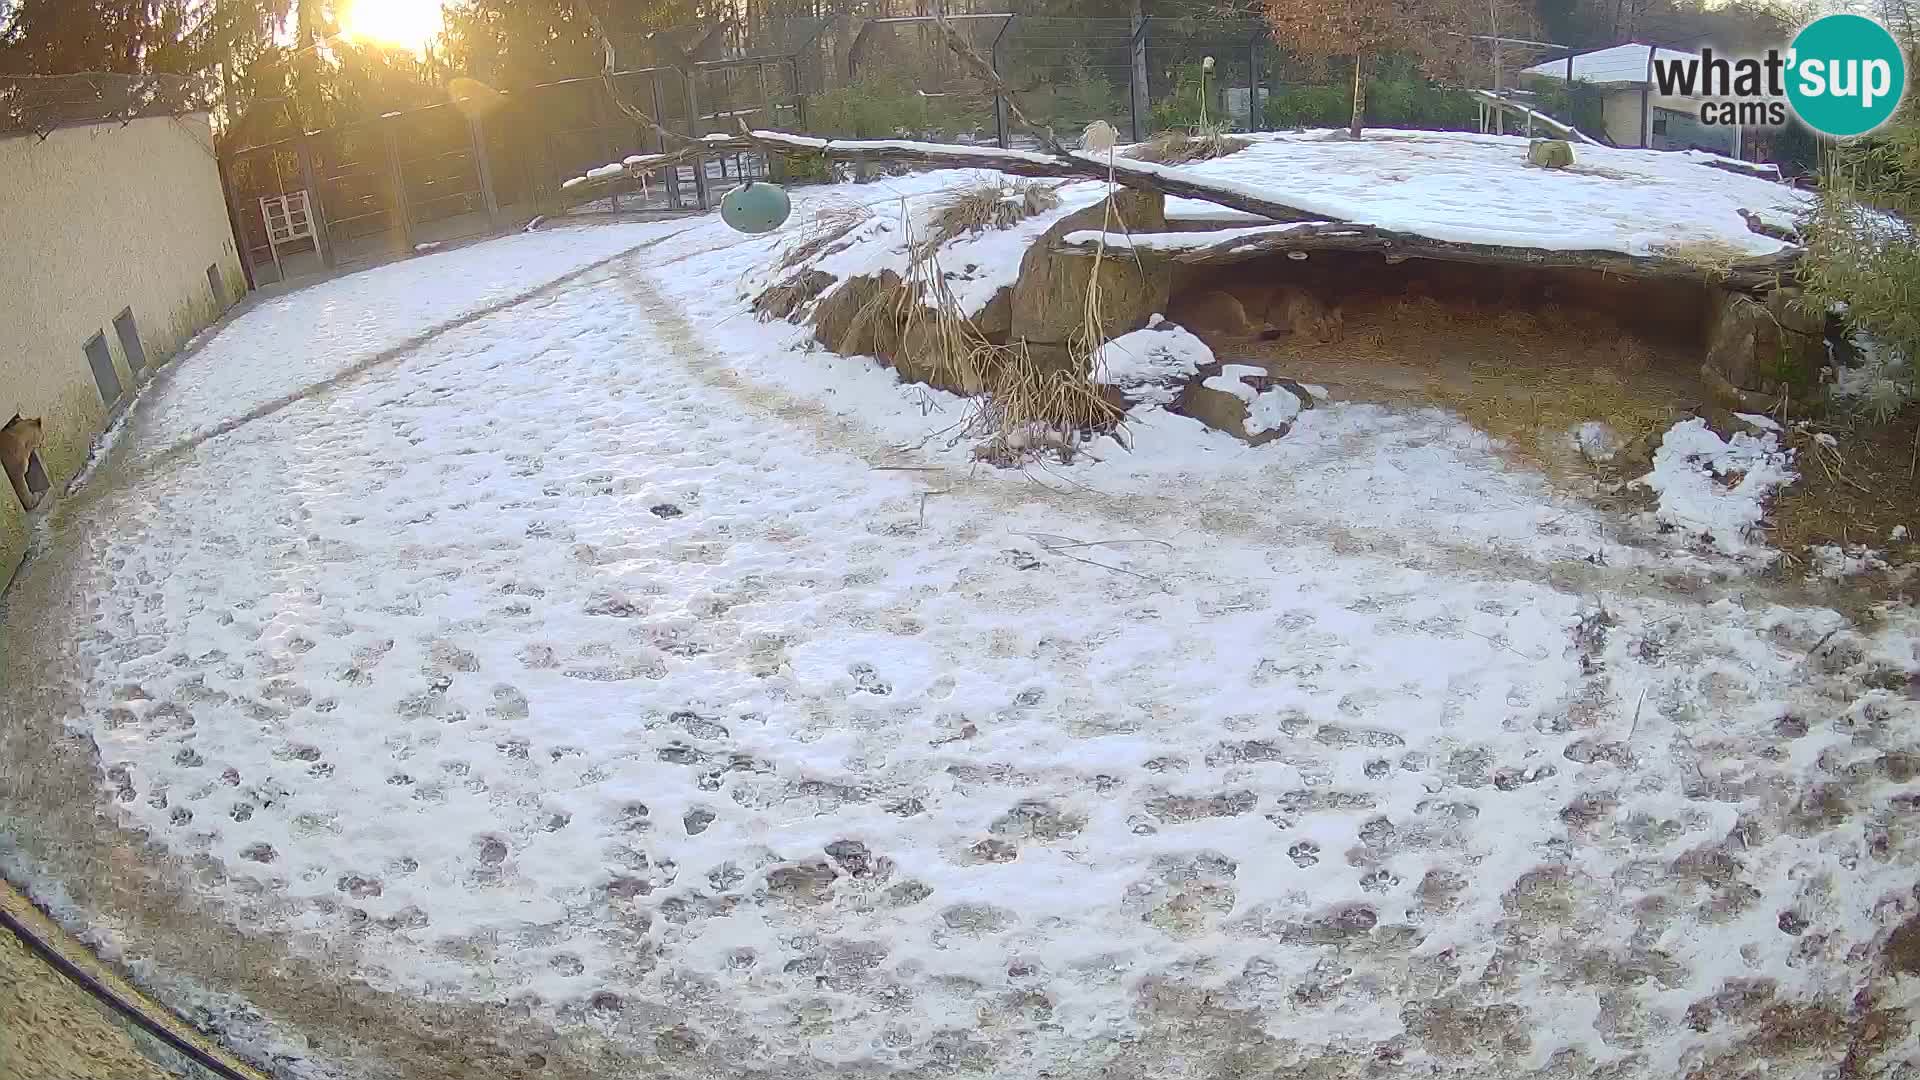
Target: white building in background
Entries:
(1636, 113)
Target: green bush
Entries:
(1862, 247)
(1309, 106)
(886, 105)
(801, 169)
(1183, 108)
(1392, 103)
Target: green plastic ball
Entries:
(756, 208)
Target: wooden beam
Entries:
(1240, 245)
(1126, 172)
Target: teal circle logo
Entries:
(1846, 75)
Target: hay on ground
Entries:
(1027, 401)
(824, 228)
(1177, 146)
(1856, 491)
(1715, 257)
(983, 207)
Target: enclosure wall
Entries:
(95, 221)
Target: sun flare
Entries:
(401, 24)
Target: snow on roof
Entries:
(1470, 188)
(1623, 65)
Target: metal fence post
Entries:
(999, 57)
(660, 142)
(693, 128)
(1254, 117)
(799, 97)
(477, 137)
(398, 212)
(233, 219)
(316, 205)
(1138, 86)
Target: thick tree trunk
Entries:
(1359, 93)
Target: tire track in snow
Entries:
(361, 367)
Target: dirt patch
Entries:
(1856, 492)
(54, 1027)
(1902, 952)
(1808, 1040)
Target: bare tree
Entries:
(1364, 29)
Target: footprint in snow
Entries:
(868, 681)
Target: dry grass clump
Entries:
(986, 206)
(1027, 401)
(1034, 406)
(1178, 146)
(825, 231)
(826, 227)
(1532, 407)
(1716, 257)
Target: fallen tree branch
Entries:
(1756, 224)
(1760, 170)
(1142, 175)
(610, 63)
(1239, 245)
(984, 71)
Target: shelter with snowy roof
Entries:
(1636, 113)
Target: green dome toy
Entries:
(756, 208)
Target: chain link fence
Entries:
(491, 160)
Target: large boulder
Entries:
(1755, 343)
(859, 318)
(1799, 339)
(1244, 401)
(995, 321)
(1736, 324)
(1050, 298)
(877, 316)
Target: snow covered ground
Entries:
(596, 654)
(295, 340)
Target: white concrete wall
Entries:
(95, 219)
(1621, 108)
